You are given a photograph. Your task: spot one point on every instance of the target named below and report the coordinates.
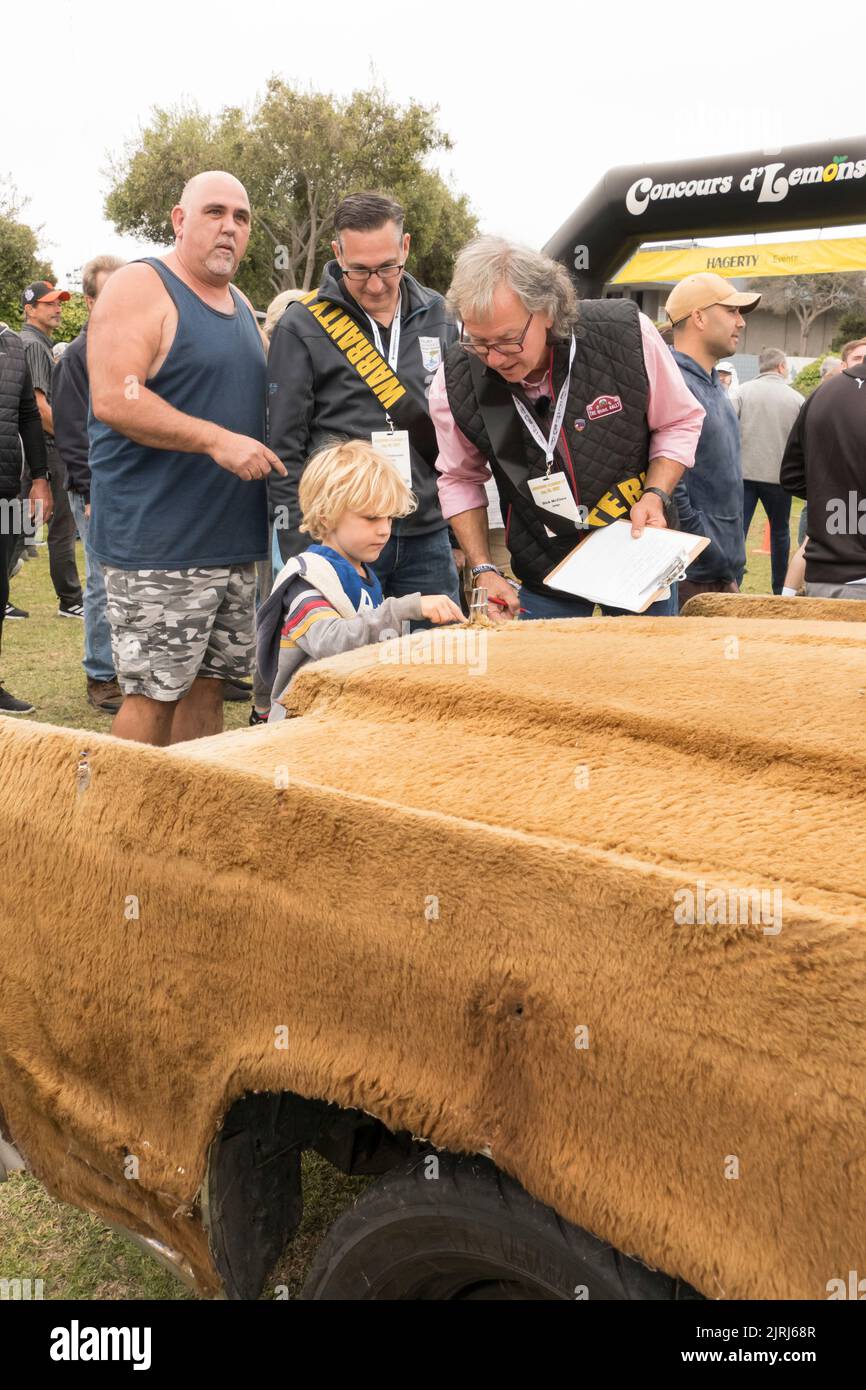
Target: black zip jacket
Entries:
(315, 395)
(825, 462)
(20, 422)
(70, 402)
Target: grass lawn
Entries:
(75, 1255)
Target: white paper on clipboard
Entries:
(612, 567)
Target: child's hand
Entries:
(439, 608)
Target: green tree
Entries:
(298, 153)
(73, 317)
(851, 327)
(20, 261)
(809, 297)
(809, 376)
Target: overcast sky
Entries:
(539, 99)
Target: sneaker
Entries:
(13, 613)
(237, 690)
(9, 705)
(70, 610)
(106, 696)
(256, 717)
(16, 568)
(31, 552)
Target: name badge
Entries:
(554, 495)
(394, 444)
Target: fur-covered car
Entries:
(559, 928)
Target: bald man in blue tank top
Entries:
(178, 461)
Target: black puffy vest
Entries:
(12, 371)
(605, 431)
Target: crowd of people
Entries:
(377, 451)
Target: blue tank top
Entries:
(163, 509)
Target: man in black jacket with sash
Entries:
(355, 360)
(579, 413)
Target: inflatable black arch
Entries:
(820, 185)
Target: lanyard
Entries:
(394, 346)
(393, 349)
(549, 445)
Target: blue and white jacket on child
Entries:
(319, 606)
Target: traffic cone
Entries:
(764, 548)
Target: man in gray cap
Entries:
(707, 318)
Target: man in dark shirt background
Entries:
(825, 462)
(41, 304)
(71, 402)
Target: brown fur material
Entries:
(834, 610)
(435, 903)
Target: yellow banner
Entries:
(780, 258)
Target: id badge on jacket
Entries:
(394, 444)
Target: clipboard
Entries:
(611, 567)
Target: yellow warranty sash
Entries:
(357, 349)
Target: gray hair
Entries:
(100, 265)
(830, 364)
(770, 358)
(541, 284)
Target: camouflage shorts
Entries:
(169, 626)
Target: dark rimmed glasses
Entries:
(509, 348)
(357, 275)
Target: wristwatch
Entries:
(667, 503)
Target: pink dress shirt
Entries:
(674, 417)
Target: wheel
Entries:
(438, 1227)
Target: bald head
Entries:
(212, 183)
(212, 226)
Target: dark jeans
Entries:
(777, 504)
(418, 565)
(265, 575)
(567, 606)
(98, 661)
(61, 535)
(7, 543)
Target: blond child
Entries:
(327, 600)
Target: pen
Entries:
(500, 603)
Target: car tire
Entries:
(441, 1227)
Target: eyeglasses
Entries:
(509, 348)
(359, 276)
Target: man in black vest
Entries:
(20, 425)
(586, 398)
(355, 361)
